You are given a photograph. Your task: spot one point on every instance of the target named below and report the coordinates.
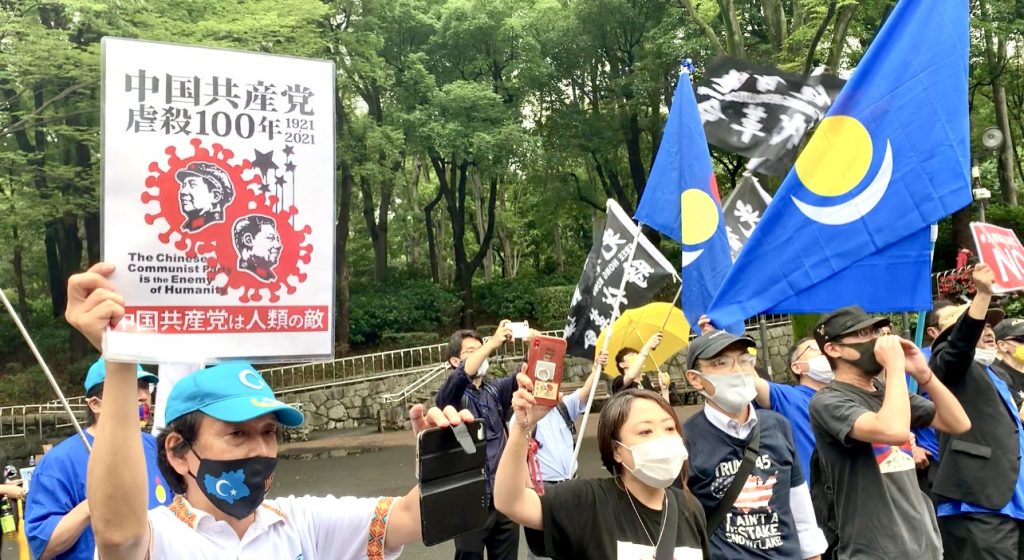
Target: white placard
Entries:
(218, 202)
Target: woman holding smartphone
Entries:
(633, 515)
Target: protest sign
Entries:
(1000, 249)
(218, 202)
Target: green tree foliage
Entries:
(477, 139)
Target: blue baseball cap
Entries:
(98, 373)
(232, 392)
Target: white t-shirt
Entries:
(291, 528)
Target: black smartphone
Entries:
(453, 485)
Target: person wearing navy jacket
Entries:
(466, 387)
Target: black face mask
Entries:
(867, 362)
(236, 487)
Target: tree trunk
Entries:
(839, 32)
(997, 60)
(816, 39)
(91, 221)
(428, 218)
(341, 257)
(775, 23)
(19, 276)
(415, 249)
(733, 31)
(636, 165)
(709, 33)
(962, 238)
(377, 224)
(343, 327)
(478, 214)
(559, 257)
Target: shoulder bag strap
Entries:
(750, 455)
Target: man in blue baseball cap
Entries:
(219, 452)
(57, 520)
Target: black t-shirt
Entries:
(880, 510)
(592, 519)
(760, 523)
(643, 381)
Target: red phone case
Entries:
(544, 366)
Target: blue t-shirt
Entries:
(760, 523)
(926, 437)
(1015, 507)
(794, 402)
(58, 485)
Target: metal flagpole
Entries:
(607, 340)
(762, 327)
(46, 369)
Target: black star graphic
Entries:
(264, 162)
(289, 151)
(265, 188)
(280, 181)
(289, 166)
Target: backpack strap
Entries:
(569, 422)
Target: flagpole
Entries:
(671, 308)
(46, 369)
(607, 340)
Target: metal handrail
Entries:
(14, 419)
(368, 365)
(415, 385)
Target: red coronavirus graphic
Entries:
(210, 209)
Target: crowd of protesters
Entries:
(880, 450)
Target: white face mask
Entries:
(819, 370)
(985, 356)
(483, 369)
(733, 392)
(658, 462)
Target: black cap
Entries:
(843, 321)
(708, 345)
(1010, 328)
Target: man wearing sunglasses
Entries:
(57, 511)
(862, 431)
(1009, 364)
(979, 484)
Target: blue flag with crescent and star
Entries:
(850, 223)
(681, 201)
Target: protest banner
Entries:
(1000, 249)
(218, 202)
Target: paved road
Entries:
(388, 470)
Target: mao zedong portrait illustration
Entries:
(205, 190)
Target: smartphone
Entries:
(453, 485)
(520, 330)
(544, 366)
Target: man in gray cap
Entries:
(205, 191)
(862, 433)
(763, 510)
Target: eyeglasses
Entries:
(868, 333)
(744, 360)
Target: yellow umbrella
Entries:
(635, 326)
